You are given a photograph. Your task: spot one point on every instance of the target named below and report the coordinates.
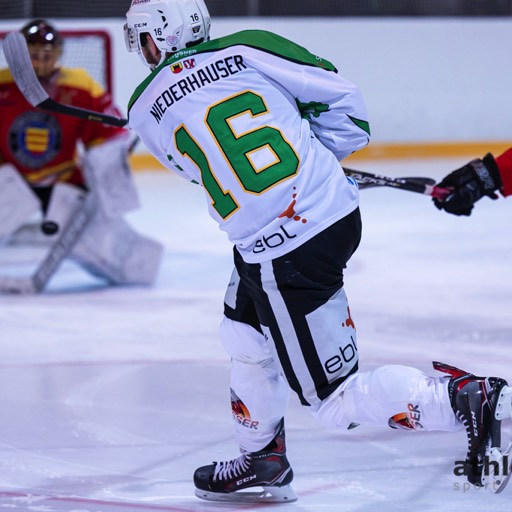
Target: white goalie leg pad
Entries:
(391, 395)
(113, 250)
(108, 175)
(259, 394)
(17, 201)
(64, 202)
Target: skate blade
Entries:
(504, 405)
(270, 494)
(508, 464)
(499, 469)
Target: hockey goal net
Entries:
(88, 49)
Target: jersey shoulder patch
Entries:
(257, 39)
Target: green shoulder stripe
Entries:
(258, 39)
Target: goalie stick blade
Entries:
(18, 60)
(271, 494)
(20, 65)
(17, 285)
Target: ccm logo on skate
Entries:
(272, 241)
(245, 480)
(347, 354)
(475, 423)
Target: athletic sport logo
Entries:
(177, 68)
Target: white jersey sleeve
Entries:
(333, 106)
(261, 124)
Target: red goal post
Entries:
(88, 49)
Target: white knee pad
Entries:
(242, 342)
(17, 201)
(65, 200)
(259, 394)
(392, 395)
(114, 251)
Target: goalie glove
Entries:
(468, 184)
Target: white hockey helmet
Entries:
(172, 25)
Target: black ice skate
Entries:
(262, 476)
(481, 403)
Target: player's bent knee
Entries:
(243, 342)
(373, 397)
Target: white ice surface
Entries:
(111, 397)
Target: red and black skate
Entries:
(481, 403)
(262, 476)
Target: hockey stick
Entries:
(56, 255)
(62, 247)
(418, 184)
(18, 59)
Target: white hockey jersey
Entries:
(261, 124)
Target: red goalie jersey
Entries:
(44, 146)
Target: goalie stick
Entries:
(56, 255)
(18, 60)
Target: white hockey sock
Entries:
(259, 394)
(391, 395)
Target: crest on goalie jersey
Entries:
(35, 139)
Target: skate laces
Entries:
(232, 468)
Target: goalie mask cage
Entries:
(88, 49)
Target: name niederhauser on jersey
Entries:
(190, 83)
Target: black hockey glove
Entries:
(468, 184)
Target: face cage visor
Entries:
(135, 41)
(131, 39)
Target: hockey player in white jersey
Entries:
(261, 124)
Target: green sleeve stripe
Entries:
(257, 39)
(364, 125)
